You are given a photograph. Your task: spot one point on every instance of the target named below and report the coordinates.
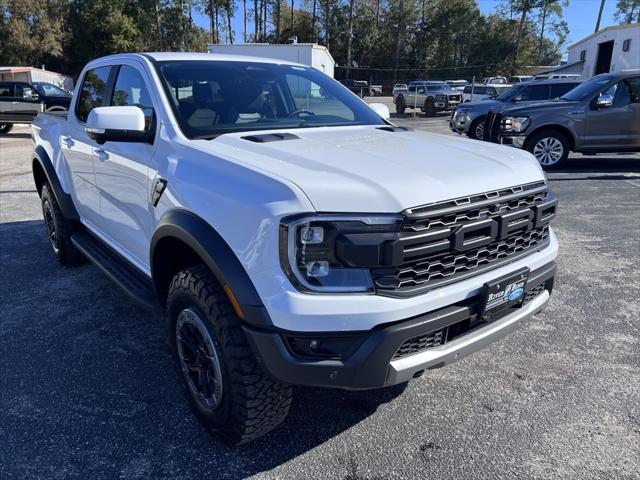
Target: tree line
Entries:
(380, 40)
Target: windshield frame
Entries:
(352, 102)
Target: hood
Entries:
(549, 106)
(367, 169)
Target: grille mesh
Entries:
(423, 342)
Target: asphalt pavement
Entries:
(88, 389)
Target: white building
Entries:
(32, 74)
(310, 54)
(611, 49)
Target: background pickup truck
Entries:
(289, 234)
(20, 102)
(430, 97)
(599, 116)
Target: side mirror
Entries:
(117, 124)
(604, 101)
(516, 99)
(421, 90)
(31, 96)
(381, 109)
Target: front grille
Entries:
(424, 264)
(421, 343)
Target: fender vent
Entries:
(270, 137)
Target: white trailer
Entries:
(32, 74)
(310, 54)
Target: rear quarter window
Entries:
(93, 91)
(6, 90)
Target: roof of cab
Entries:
(191, 56)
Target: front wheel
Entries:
(229, 391)
(429, 108)
(550, 148)
(476, 129)
(5, 127)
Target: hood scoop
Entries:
(270, 137)
(394, 128)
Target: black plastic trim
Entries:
(368, 364)
(270, 137)
(64, 199)
(217, 255)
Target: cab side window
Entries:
(536, 92)
(620, 92)
(6, 90)
(93, 91)
(634, 86)
(130, 90)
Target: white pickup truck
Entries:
(290, 233)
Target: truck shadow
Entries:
(84, 369)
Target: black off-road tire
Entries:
(400, 106)
(429, 108)
(252, 404)
(59, 229)
(5, 127)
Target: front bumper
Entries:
(371, 359)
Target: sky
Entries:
(581, 16)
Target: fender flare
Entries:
(207, 243)
(65, 202)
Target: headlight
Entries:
(334, 253)
(515, 124)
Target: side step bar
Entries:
(127, 277)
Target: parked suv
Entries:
(429, 96)
(601, 115)
(20, 102)
(469, 117)
(289, 237)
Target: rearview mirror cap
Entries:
(381, 109)
(604, 101)
(117, 124)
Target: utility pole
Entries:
(599, 16)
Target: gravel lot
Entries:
(88, 390)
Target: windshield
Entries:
(50, 90)
(510, 92)
(439, 87)
(586, 89)
(210, 98)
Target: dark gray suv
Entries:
(469, 117)
(602, 115)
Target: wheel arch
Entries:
(183, 239)
(43, 172)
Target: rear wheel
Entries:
(5, 127)
(476, 129)
(551, 148)
(400, 106)
(228, 389)
(59, 229)
(429, 108)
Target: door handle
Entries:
(68, 141)
(102, 154)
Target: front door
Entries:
(122, 173)
(616, 126)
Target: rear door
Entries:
(77, 147)
(616, 127)
(122, 171)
